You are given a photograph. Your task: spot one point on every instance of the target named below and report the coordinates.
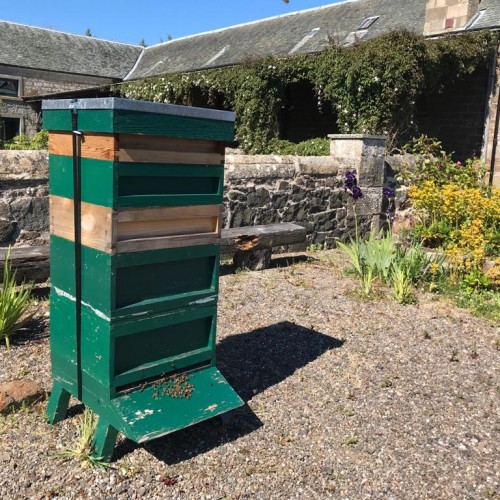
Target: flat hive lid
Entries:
(116, 103)
(126, 116)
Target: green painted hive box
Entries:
(135, 218)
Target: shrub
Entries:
(311, 147)
(21, 142)
(14, 303)
(437, 166)
(372, 87)
(463, 220)
(379, 258)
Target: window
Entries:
(9, 87)
(367, 23)
(9, 128)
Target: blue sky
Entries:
(153, 20)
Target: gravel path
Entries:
(345, 398)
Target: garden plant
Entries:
(15, 303)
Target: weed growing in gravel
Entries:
(14, 302)
(83, 450)
(315, 247)
(351, 441)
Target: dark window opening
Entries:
(302, 119)
(8, 87)
(456, 115)
(9, 128)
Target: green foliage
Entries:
(371, 259)
(373, 86)
(83, 450)
(479, 301)
(475, 280)
(14, 303)
(436, 165)
(312, 147)
(402, 285)
(21, 142)
(379, 258)
(432, 235)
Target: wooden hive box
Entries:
(134, 288)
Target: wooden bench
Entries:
(252, 248)
(252, 245)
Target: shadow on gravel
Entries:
(251, 362)
(34, 330)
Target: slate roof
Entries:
(306, 31)
(39, 48)
(490, 17)
(281, 35)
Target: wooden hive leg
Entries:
(104, 440)
(58, 404)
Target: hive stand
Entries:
(135, 214)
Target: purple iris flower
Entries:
(389, 192)
(351, 185)
(356, 193)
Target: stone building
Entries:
(37, 63)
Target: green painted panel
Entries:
(97, 275)
(148, 347)
(138, 284)
(162, 367)
(168, 169)
(62, 264)
(133, 325)
(117, 286)
(165, 255)
(169, 185)
(163, 185)
(97, 176)
(169, 200)
(63, 340)
(139, 287)
(88, 120)
(141, 416)
(133, 122)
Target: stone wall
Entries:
(258, 190)
(265, 189)
(24, 204)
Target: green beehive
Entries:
(135, 208)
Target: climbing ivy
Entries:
(372, 86)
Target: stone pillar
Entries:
(364, 154)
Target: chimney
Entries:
(442, 16)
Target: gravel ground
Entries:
(346, 398)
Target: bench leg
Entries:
(253, 260)
(58, 404)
